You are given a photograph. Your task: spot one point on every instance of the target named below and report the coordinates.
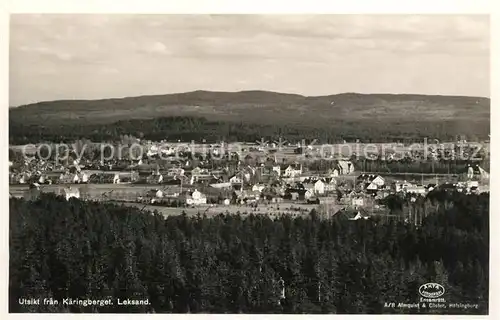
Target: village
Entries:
(258, 180)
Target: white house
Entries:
(248, 196)
(378, 181)
(372, 187)
(476, 173)
(319, 187)
(399, 187)
(359, 216)
(247, 176)
(76, 179)
(357, 201)
(235, 179)
(159, 194)
(293, 171)
(345, 167)
(76, 164)
(71, 193)
(471, 184)
(196, 198)
(372, 182)
(258, 187)
(333, 172)
(85, 177)
(166, 150)
(416, 189)
(308, 194)
(483, 174)
(116, 179)
(330, 184)
(153, 150)
(470, 172)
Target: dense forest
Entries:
(234, 264)
(199, 129)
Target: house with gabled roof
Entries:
(71, 192)
(417, 189)
(345, 167)
(330, 184)
(193, 198)
(352, 214)
(258, 187)
(236, 179)
(293, 170)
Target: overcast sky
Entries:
(100, 56)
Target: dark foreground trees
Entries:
(232, 264)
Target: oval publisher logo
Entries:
(431, 290)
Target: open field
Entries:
(123, 193)
(294, 210)
(94, 191)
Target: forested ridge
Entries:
(232, 263)
(252, 115)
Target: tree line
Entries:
(198, 129)
(416, 167)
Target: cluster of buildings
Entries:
(252, 179)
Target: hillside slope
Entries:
(260, 107)
(250, 114)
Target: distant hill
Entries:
(259, 106)
(379, 112)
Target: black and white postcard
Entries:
(249, 163)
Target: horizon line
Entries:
(255, 91)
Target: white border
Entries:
(245, 6)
